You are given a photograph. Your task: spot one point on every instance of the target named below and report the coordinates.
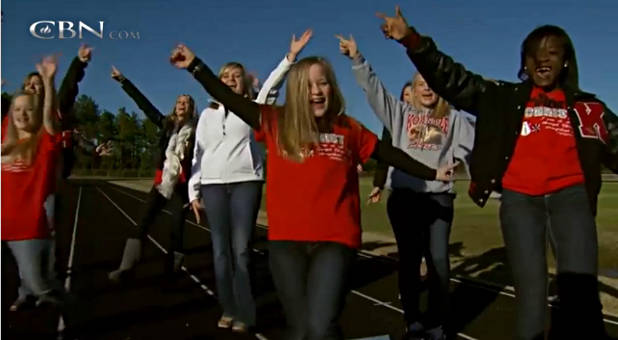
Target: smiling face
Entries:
(545, 64)
(182, 108)
(423, 95)
(234, 78)
(320, 92)
(24, 114)
(34, 85)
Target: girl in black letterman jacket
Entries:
(542, 142)
(173, 164)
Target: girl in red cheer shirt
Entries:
(541, 142)
(313, 149)
(30, 153)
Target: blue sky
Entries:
(484, 35)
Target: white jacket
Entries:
(225, 147)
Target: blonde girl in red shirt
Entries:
(29, 155)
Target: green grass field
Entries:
(478, 229)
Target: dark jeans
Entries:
(312, 282)
(232, 210)
(155, 204)
(567, 214)
(422, 225)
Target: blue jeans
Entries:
(567, 214)
(232, 210)
(35, 262)
(312, 282)
(422, 225)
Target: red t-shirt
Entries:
(24, 190)
(545, 158)
(318, 199)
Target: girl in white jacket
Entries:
(227, 175)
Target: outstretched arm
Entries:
(142, 102)
(379, 178)
(68, 89)
(47, 69)
(387, 153)
(247, 110)
(449, 79)
(276, 77)
(387, 107)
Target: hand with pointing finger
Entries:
(394, 27)
(116, 75)
(347, 47)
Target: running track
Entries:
(95, 219)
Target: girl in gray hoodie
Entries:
(420, 211)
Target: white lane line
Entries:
(364, 253)
(186, 220)
(376, 302)
(183, 268)
(67, 281)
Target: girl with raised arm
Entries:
(313, 206)
(541, 142)
(420, 211)
(227, 174)
(173, 168)
(30, 152)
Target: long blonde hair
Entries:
(12, 148)
(298, 129)
(440, 110)
(171, 121)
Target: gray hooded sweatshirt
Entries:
(432, 141)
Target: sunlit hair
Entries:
(568, 75)
(12, 148)
(172, 118)
(246, 80)
(298, 128)
(27, 80)
(440, 109)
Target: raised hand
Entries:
(84, 53)
(47, 67)
(375, 195)
(116, 75)
(347, 47)
(297, 45)
(394, 27)
(182, 56)
(446, 173)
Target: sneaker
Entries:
(240, 327)
(225, 322)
